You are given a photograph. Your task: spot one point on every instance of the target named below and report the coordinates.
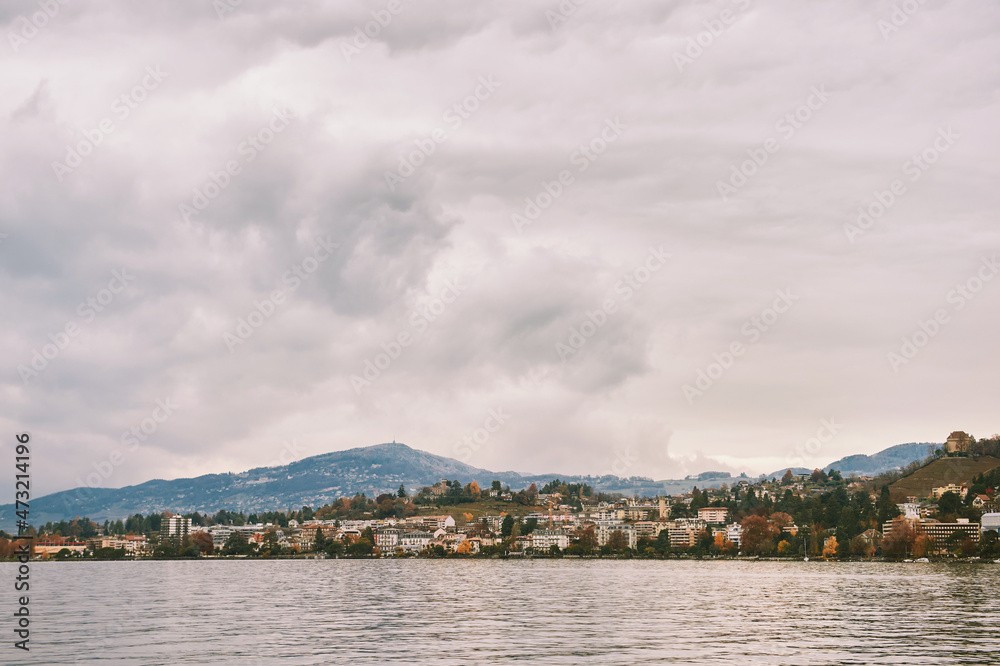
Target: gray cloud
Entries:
(493, 340)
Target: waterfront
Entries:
(541, 611)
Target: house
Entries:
(981, 501)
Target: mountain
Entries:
(312, 481)
(372, 470)
(886, 460)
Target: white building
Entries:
(413, 541)
(543, 539)
(990, 521)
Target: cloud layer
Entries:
(365, 222)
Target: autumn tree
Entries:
(758, 534)
(473, 490)
(787, 478)
(784, 547)
(830, 547)
(900, 539)
(617, 540)
(203, 541)
(861, 547)
(586, 537)
(464, 548)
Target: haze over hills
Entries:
(372, 470)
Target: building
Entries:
(909, 509)
(47, 548)
(990, 521)
(175, 527)
(542, 539)
(414, 541)
(958, 442)
(131, 544)
(941, 532)
(734, 532)
(387, 538)
(961, 491)
(713, 514)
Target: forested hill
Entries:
(311, 481)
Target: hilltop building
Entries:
(958, 442)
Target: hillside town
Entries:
(817, 515)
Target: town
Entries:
(816, 515)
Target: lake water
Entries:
(543, 611)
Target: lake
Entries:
(471, 611)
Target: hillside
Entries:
(311, 481)
(939, 473)
(886, 460)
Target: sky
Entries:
(639, 238)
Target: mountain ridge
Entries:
(325, 477)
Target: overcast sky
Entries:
(568, 217)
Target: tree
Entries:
(319, 542)
(830, 547)
(203, 542)
(757, 536)
(586, 537)
(949, 504)
(618, 541)
(787, 478)
(532, 494)
(401, 493)
(464, 548)
(507, 526)
(496, 486)
(861, 547)
(784, 548)
(237, 544)
(900, 539)
(473, 490)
